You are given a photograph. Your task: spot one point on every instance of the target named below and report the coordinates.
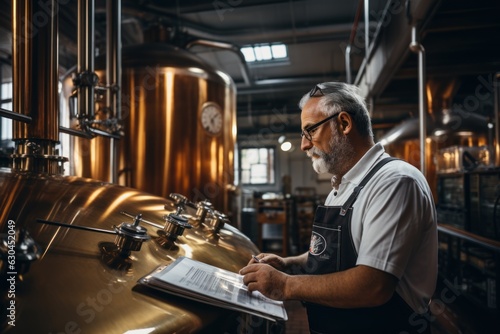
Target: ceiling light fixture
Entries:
(285, 144)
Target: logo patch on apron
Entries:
(317, 245)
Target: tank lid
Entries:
(161, 54)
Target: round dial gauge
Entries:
(211, 118)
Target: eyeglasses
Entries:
(309, 131)
(316, 91)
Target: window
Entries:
(257, 165)
(264, 52)
(6, 103)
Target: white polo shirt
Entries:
(394, 224)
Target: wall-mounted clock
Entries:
(211, 118)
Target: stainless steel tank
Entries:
(179, 127)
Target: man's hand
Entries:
(265, 279)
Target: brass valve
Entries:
(130, 236)
(203, 209)
(180, 201)
(217, 221)
(174, 226)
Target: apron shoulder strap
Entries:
(355, 192)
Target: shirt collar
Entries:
(363, 166)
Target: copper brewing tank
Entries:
(82, 278)
(165, 147)
(78, 286)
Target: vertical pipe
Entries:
(367, 27)
(1, 88)
(114, 55)
(348, 64)
(85, 63)
(113, 74)
(496, 92)
(19, 47)
(351, 41)
(35, 77)
(416, 47)
(367, 41)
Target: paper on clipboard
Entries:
(202, 282)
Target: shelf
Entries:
(473, 262)
(272, 222)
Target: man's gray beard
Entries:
(341, 152)
(319, 164)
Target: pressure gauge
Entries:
(211, 118)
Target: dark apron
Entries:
(332, 250)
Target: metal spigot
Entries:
(180, 201)
(174, 226)
(203, 208)
(130, 236)
(217, 221)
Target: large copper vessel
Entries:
(168, 144)
(71, 248)
(78, 281)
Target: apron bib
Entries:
(332, 250)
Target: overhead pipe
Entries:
(331, 31)
(496, 92)
(113, 55)
(348, 64)
(85, 79)
(229, 47)
(418, 48)
(367, 42)
(351, 41)
(367, 26)
(376, 36)
(113, 75)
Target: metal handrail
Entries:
(465, 235)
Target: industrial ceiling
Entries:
(461, 40)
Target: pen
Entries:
(256, 258)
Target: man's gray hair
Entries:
(339, 96)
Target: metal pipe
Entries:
(348, 64)
(366, 60)
(113, 75)
(1, 84)
(388, 49)
(113, 55)
(496, 92)
(416, 47)
(19, 47)
(76, 227)
(331, 31)
(73, 132)
(351, 41)
(35, 70)
(367, 27)
(15, 116)
(85, 63)
(228, 47)
(35, 92)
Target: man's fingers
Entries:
(250, 273)
(245, 270)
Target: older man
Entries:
(372, 263)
